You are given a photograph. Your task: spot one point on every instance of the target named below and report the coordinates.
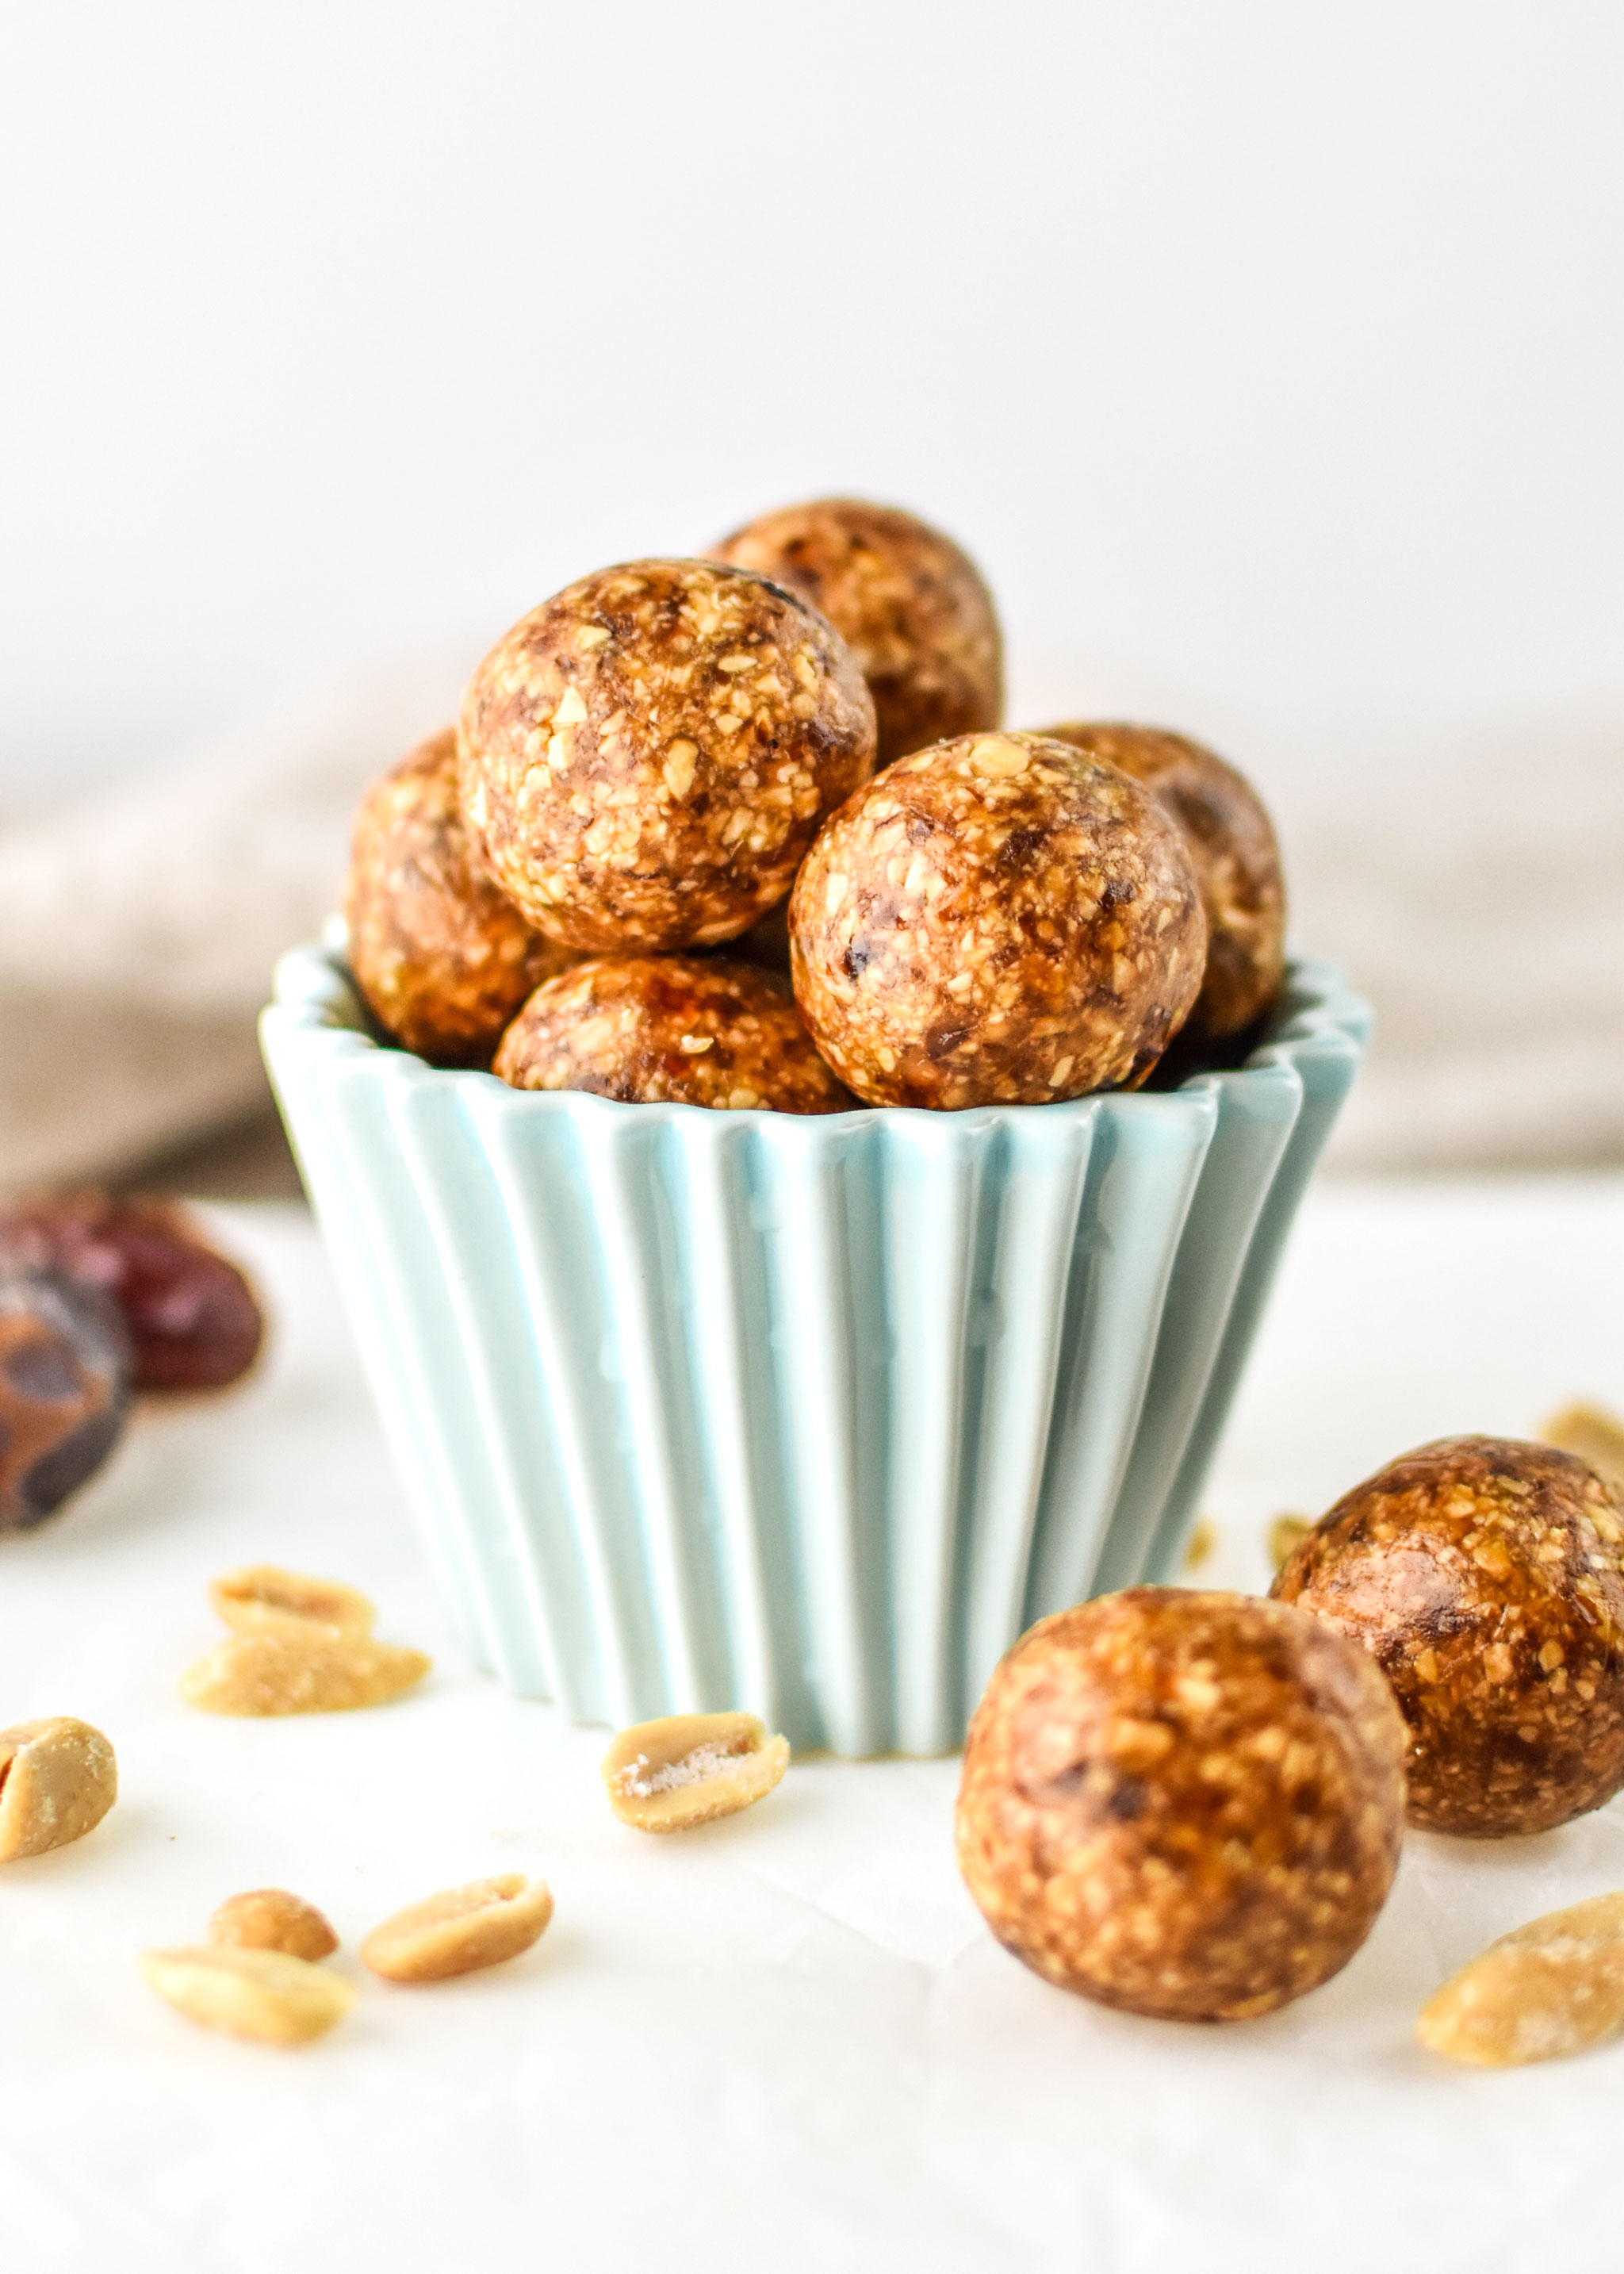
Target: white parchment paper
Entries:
(786, 2040)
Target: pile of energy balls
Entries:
(744, 831)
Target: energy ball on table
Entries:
(64, 1387)
(1487, 1578)
(910, 606)
(443, 959)
(646, 758)
(1232, 842)
(1184, 1804)
(692, 1029)
(998, 919)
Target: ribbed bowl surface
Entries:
(811, 1416)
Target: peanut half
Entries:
(262, 1598)
(1546, 1989)
(289, 1673)
(269, 1918)
(689, 1768)
(250, 1993)
(1595, 1434)
(461, 1930)
(58, 1778)
(1285, 1536)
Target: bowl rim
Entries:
(316, 996)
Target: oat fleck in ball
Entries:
(65, 1375)
(646, 758)
(695, 1030)
(442, 958)
(1232, 842)
(998, 919)
(1184, 1804)
(1485, 1578)
(910, 606)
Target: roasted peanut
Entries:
(251, 1993)
(1285, 1534)
(269, 1918)
(288, 1673)
(689, 1768)
(58, 1778)
(261, 1598)
(1597, 1436)
(460, 1929)
(1546, 1989)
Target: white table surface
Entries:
(785, 2040)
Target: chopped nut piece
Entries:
(689, 1768)
(1543, 1991)
(288, 1673)
(1597, 1436)
(250, 1993)
(461, 1930)
(269, 1918)
(58, 1778)
(1286, 1535)
(262, 1598)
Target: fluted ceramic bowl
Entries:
(811, 1416)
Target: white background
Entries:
(1271, 358)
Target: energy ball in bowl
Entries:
(1232, 843)
(1184, 1804)
(691, 1029)
(646, 758)
(1485, 1578)
(910, 606)
(1001, 919)
(443, 959)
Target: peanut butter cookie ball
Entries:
(1232, 841)
(1485, 1578)
(442, 959)
(1183, 1804)
(646, 758)
(692, 1029)
(910, 606)
(998, 919)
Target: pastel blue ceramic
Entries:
(811, 1416)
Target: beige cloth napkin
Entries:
(1482, 909)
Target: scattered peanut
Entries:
(1546, 1989)
(1202, 1540)
(663, 1776)
(274, 1672)
(269, 1918)
(461, 1930)
(261, 1598)
(1596, 1435)
(251, 1993)
(58, 1778)
(1285, 1535)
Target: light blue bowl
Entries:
(811, 1416)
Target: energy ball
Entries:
(443, 959)
(1485, 1578)
(64, 1381)
(691, 1029)
(999, 919)
(1183, 1804)
(1232, 842)
(910, 606)
(646, 758)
